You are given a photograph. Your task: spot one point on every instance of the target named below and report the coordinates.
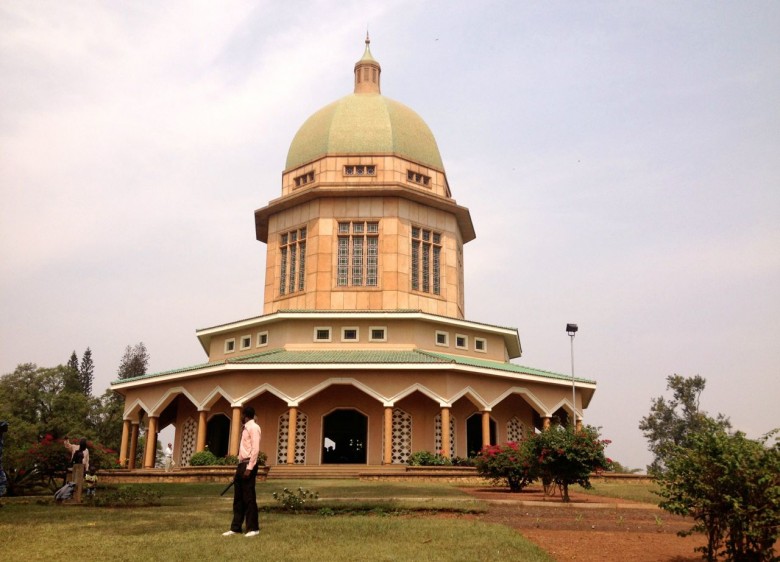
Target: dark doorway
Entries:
(218, 435)
(474, 442)
(344, 437)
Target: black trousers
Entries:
(244, 500)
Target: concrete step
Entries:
(331, 471)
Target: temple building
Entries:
(363, 353)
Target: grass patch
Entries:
(189, 523)
(641, 491)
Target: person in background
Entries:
(168, 455)
(244, 499)
(79, 454)
(90, 482)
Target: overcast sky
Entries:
(621, 162)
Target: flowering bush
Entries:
(565, 455)
(45, 464)
(559, 456)
(511, 462)
(294, 501)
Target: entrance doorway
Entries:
(474, 442)
(218, 435)
(345, 434)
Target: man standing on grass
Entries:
(244, 500)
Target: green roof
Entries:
(366, 356)
(364, 124)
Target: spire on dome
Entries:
(367, 71)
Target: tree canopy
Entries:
(134, 362)
(671, 422)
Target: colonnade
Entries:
(130, 432)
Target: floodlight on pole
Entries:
(571, 329)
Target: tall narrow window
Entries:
(426, 261)
(292, 249)
(302, 258)
(416, 258)
(358, 254)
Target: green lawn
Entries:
(189, 524)
(627, 490)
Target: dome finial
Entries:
(367, 71)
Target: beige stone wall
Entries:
(390, 169)
(401, 334)
(418, 392)
(395, 217)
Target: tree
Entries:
(108, 415)
(670, 423)
(39, 401)
(73, 362)
(86, 372)
(566, 456)
(618, 468)
(730, 486)
(134, 362)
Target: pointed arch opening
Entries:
(474, 442)
(345, 436)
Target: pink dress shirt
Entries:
(250, 444)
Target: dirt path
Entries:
(592, 528)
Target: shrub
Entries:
(463, 461)
(203, 458)
(45, 465)
(730, 486)
(207, 458)
(294, 501)
(426, 458)
(511, 463)
(565, 455)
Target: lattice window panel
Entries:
(189, 437)
(301, 425)
(402, 436)
(437, 440)
(515, 430)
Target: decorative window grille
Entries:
(402, 436)
(426, 261)
(416, 177)
(515, 430)
(301, 180)
(188, 441)
(301, 424)
(358, 254)
(363, 170)
(438, 440)
(292, 249)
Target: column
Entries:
(545, 423)
(151, 442)
(126, 425)
(578, 425)
(133, 452)
(387, 458)
(445, 433)
(235, 431)
(200, 443)
(291, 435)
(486, 429)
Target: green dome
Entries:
(364, 124)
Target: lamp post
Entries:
(571, 329)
